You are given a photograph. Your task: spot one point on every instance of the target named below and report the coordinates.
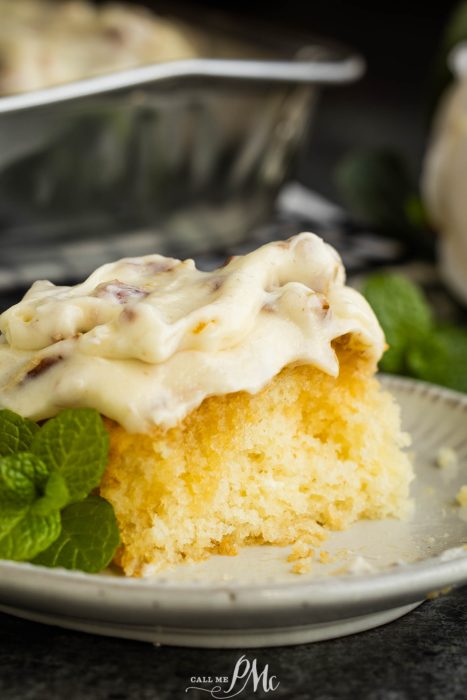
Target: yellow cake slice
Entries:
(241, 404)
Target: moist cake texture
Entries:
(241, 404)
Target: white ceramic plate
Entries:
(254, 599)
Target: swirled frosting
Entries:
(145, 340)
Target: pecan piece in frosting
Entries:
(41, 366)
(119, 291)
(269, 307)
(216, 283)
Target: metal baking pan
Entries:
(195, 148)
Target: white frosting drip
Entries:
(146, 340)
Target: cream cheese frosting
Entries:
(145, 340)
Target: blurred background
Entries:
(391, 105)
(278, 129)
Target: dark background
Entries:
(391, 105)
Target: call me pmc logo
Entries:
(245, 676)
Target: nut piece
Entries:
(41, 366)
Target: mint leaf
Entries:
(74, 443)
(378, 188)
(403, 313)
(88, 539)
(376, 185)
(16, 433)
(30, 535)
(24, 534)
(441, 358)
(22, 479)
(56, 495)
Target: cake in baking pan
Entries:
(48, 42)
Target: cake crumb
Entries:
(300, 550)
(436, 594)
(446, 458)
(461, 496)
(324, 557)
(315, 537)
(302, 566)
(300, 554)
(227, 547)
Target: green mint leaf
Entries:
(416, 212)
(403, 313)
(378, 188)
(376, 185)
(16, 433)
(56, 496)
(23, 534)
(88, 539)
(22, 480)
(74, 443)
(31, 535)
(441, 358)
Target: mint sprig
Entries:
(88, 538)
(46, 475)
(418, 345)
(442, 358)
(380, 191)
(403, 313)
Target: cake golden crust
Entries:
(307, 454)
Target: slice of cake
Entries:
(241, 403)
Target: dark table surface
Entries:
(422, 656)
